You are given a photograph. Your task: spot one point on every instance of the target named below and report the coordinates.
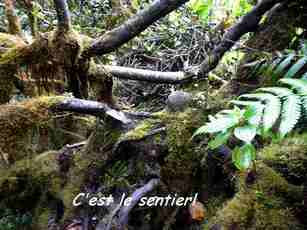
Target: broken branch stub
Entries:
(91, 108)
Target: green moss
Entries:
(288, 157)
(23, 186)
(141, 130)
(10, 41)
(9, 56)
(184, 156)
(262, 205)
(67, 130)
(70, 191)
(41, 219)
(86, 161)
(86, 41)
(213, 205)
(180, 128)
(17, 122)
(13, 44)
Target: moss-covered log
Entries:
(166, 154)
(265, 204)
(17, 122)
(288, 158)
(20, 122)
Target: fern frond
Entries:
(291, 113)
(272, 108)
(217, 123)
(258, 106)
(278, 91)
(296, 67)
(225, 112)
(284, 64)
(221, 123)
(298, 84)
(304, 105)
(304, 77)
(246, 103)
(200, 130)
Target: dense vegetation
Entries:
(199, 98)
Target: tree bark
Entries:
(248, 23)
(146, 75)
(63, 15)
(13, 21)
(91, 108)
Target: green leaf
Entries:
(284, 64)
(200, 130)
(258, 106)
(304, 106)
(271, 110)
(296, 67)
(135, 4)
(290, 115)
(298, 84)
(278, 91)
(250, 112)
(242, 157)
(245, 133)
(222, 123)
(304, 77)
(219, 140)
(201, 8)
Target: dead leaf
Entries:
(197, 211)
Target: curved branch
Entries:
(119, 36)
(63, 15)
(248, 23)
(144, 75)
(136, 196)
(13, 21)
(113, 39)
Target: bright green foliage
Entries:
(243, 156)
(257, 114)
(287, 65)
(242, 7)
(38, 11)
(220, 139)
(202, 8)
(219, 9)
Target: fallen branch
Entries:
(141, 21)
(92, 108)
(76, 145)
(248, 23)
(146, 75)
